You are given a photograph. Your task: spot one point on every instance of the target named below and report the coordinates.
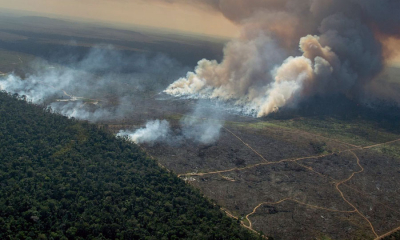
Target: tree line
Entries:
(61, 178)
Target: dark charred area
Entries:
(383, 112)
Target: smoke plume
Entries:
(290, 50)
(100, 86)
(202, 132)
(202, 126)
(155, 131)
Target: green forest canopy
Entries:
(62, 178)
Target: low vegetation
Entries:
(358, 131)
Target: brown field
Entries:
(271, 175)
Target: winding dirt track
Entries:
(337, 185)
(351, 148)
(344, 198)
(387, 234)
(286, 160)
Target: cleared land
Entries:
(299, 178)
(294, 179)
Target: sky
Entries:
(180, 17)
(167, 16)
(394, 45)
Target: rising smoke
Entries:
(290, 50)
(82, 89)
(155, 131)
(100, 86)
(203, 132)
(202, 126)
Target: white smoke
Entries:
(155, 131)
(80, 110)
(202, 126)
(38, 87)
(205, 132)
(81, 88)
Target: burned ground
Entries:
(291, 183)
(293, 175)
(285, 178)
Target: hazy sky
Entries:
(176, 17)
(395, 47)
(191, 19)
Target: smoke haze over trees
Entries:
(98, 75)
(70, 179)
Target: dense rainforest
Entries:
(62, 178)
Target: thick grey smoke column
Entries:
(289, 50)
